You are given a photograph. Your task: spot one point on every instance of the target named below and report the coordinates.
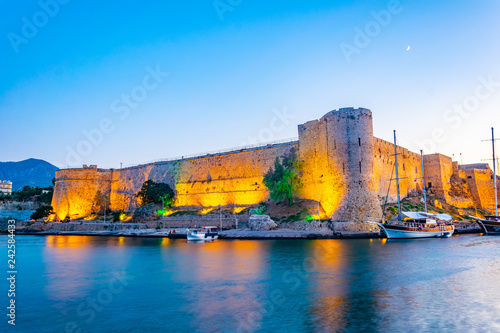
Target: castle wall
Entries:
(438, 169)
(228, 179)
(409, 170)
(75, 190)
(322, 173)
(338, 165)
(233, 179)
(343, 166)
(481, 185)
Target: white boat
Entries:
(421, 228)
(205, 233)
(424, 227)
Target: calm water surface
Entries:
(101, 284)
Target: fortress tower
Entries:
(338, 154)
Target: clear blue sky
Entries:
(232, 65)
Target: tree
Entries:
(27, 193)
(46, 195)
(155, 192)
(284, 181)
(41, 212)
(100, 200)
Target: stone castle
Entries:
(344, 167)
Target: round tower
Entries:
(350, 136)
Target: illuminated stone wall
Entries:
(233, 179)
(481, 185)
(337, 150)
(228, 179)
(409, 169)
(344, 167)
(75, 190)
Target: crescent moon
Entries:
(408, 48)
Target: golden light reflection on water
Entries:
(336, 292)
(234, 268)
(327, 258)
(66, 259)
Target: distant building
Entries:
(5, 187)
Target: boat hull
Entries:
(399, 232)
(489, 227)
(207, 236)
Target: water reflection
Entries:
(342, 291)
(262, 286)
(221, 279)
(67, 265)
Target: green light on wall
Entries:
(309, 218)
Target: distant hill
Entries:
(30, 172)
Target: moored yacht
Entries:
(416, 228)
(419, 227)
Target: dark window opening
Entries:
(470, 177)
(359, 167)
(429, 185)
(343, 168)
(359, 141)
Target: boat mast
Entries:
(494, 170)
(423, 179)
(397, 175)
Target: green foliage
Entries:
(41, 212)
(284, 181)
(393, 210)
(100, 202)
(41, 194)
(5, 197)
(152, 192)
(46, 196)
(118, 215)
(259, 210)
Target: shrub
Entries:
(284, 180)
(152, 192)
(41, 212)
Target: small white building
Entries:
(5, 187)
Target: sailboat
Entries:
(425, 227)
(490, 225)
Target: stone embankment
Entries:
(295, 230)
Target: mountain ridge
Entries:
(31, 172)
